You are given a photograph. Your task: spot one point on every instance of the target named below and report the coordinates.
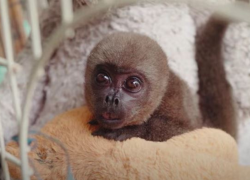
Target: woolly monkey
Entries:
(132, 92)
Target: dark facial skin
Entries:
(117, 91)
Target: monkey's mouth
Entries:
(109, 116)
(110, 120)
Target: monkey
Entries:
(132, 91)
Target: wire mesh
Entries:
(70, 20)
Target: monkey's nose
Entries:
(112, 100)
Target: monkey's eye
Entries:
(102, 79)
(133, 84)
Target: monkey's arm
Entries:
(155, 129)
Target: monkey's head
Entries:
(126, 78)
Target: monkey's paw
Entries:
(93, 122)
(116, 135)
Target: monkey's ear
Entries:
(93, 122)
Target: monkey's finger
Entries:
(93, 122)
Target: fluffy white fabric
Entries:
(172, 25)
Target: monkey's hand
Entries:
(155, 129)
(93, 122)
(121, 134)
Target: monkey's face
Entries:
(118, 92)
(125, 79)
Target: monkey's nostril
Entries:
(107, 99)
(116, 101)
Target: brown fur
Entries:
(125, 50)
(169, 108)
(216, 101)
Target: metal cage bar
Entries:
(67, 11)
(35, 29)
(3, 155)
(8, 46)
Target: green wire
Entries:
(3, 71)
